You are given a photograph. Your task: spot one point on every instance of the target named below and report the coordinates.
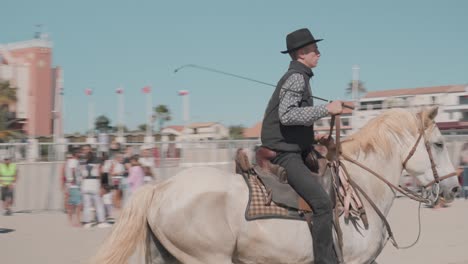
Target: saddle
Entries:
(274, 192)
(275, 177)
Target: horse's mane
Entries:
(381, 133)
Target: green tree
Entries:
(142, 127)
(102, 124)
(7, 93)
(361, 89)
(162, 114)
(236, 132)
(116, 129)
(7, 119)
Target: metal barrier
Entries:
(17, 151)
(39, 183)
(185, 150)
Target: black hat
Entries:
(298, 39)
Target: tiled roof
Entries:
(253, 132)
(176, 128)
(417, 91)
(327, 128)
(452, 125)
(202, 124)
(347, 110)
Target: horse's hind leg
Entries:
(156, 253)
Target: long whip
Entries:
(235, 76)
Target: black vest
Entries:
(282, 138)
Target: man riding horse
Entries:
(288, 129)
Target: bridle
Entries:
(403, 190)
(339, 155)
(427, 145)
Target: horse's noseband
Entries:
(437, 179)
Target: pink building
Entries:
(27, 65)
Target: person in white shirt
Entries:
(91, 170)
(146, 158)
(116, 174)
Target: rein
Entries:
(405, 191)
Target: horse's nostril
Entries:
(456, 189)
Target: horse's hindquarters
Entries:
(196, 218)
(274, 241)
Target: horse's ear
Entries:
(432, 112)
(428, 115)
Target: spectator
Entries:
(135, 175)
(114, 147)
(106, 193)
(116, 172)
(8, 178)
(126, 159)
(464, 165)
(127, 165)
(64, 181)
(148, 175)
(71, 173)
(91, 171)
(157, 157)
(146, 159)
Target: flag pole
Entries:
(148, 112)
(149, 137)
(120, 114)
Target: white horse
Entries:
(197, 216)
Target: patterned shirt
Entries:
(290, 113)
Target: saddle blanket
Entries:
(259, 207)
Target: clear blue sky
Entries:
(104, 44)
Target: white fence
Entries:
(39, 183)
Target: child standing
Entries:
(148, 175)
(72, 185)
(116, 173)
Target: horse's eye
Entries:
(439, 144)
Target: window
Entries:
(433, 100)
(375, 105)
(345, 122)
(465, 116)
(463, 99)
(195, 131)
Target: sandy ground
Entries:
(47, 237)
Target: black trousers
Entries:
(308, 187)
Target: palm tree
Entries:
(360, 88)
(115, 129)
(236, 132)
(142, 127)
(7, 97)
(7, 93)
(162, 114)
(102, 123)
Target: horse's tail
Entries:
(129, 231)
